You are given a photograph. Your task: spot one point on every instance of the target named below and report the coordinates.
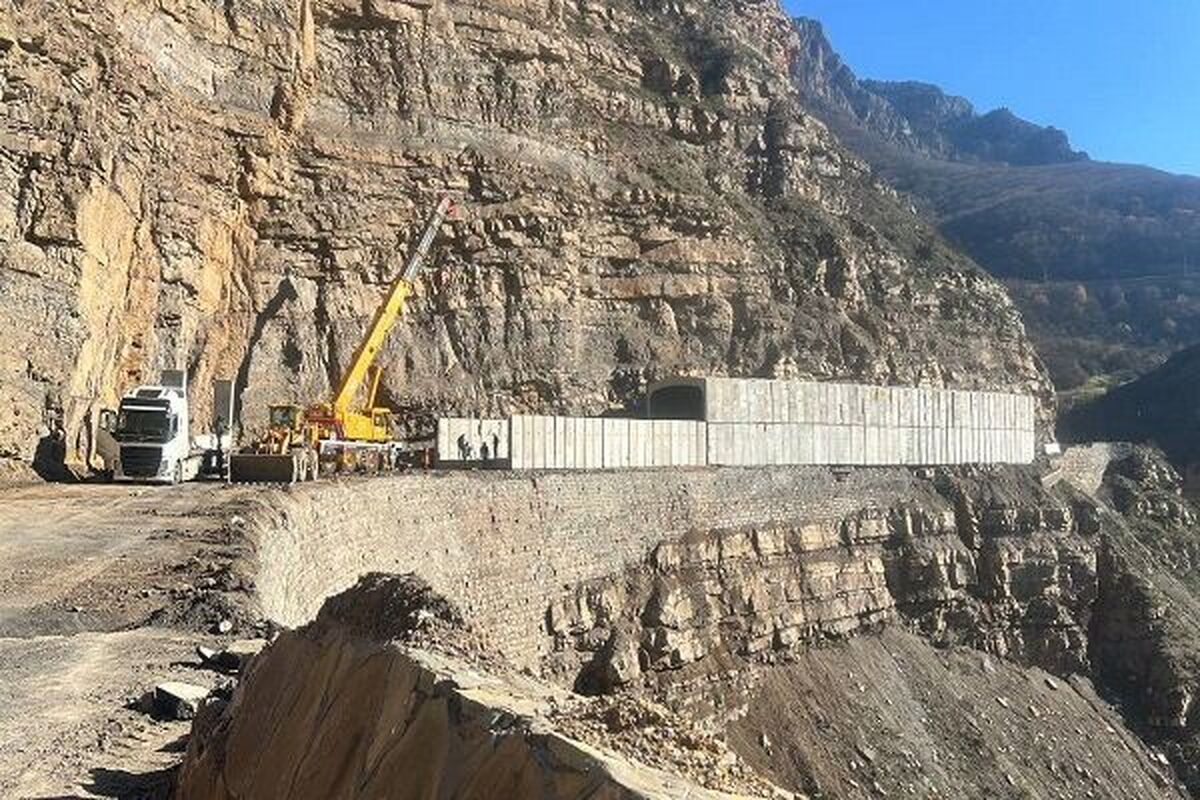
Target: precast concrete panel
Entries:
(760, 400)
(537, 448)
(678, 444)
(809, 402)
(688, 432)
(904, 403)
(516, 450)
(851, 410)
(561, 459)
(594, 429)
(893, 408)
(858, 445)
(580, 457)
(635, 443)
(572, 449)
(871, 454)
(616, 444)
(873, 405)
(792, 395)
(748, 453)
(726, 445)
(648, 445)
(958, 409)
(925, 397)
(662, 443)
(826, 444)
(779, 403)
(845, 445)
(858, 404)
(582, 453)
(733, 444)
(522, 428)
(716, 442)
(549, 442)
(698, 448)
(817, 447)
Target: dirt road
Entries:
(104, 592)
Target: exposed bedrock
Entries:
(888, 633)
(347, 708)
(994, 562)
(228, 187)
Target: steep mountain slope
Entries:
(1101, 257)
(229, 187)
(1162, 407)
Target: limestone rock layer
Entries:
(229, 187)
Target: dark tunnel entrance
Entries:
(677, 402)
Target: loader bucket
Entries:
(262, 468)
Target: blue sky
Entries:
(1122, 78)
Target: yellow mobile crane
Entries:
(301, 442)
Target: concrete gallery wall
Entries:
(765, 422)
(606, 443)
(748, 423)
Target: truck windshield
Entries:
(143, 426)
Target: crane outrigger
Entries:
(341, 433)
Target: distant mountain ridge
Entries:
(922, 117)
(1102, 259)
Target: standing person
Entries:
(484, 455)
(464, 448)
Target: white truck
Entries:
(148, 438)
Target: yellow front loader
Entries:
(342, 433)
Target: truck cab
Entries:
(152, 433)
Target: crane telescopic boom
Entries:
(388, 313)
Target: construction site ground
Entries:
(105, 591)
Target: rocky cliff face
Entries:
(229, 188)
(1088, 589)
(1099, 257)
(993, 562)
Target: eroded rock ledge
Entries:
(347, 708)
